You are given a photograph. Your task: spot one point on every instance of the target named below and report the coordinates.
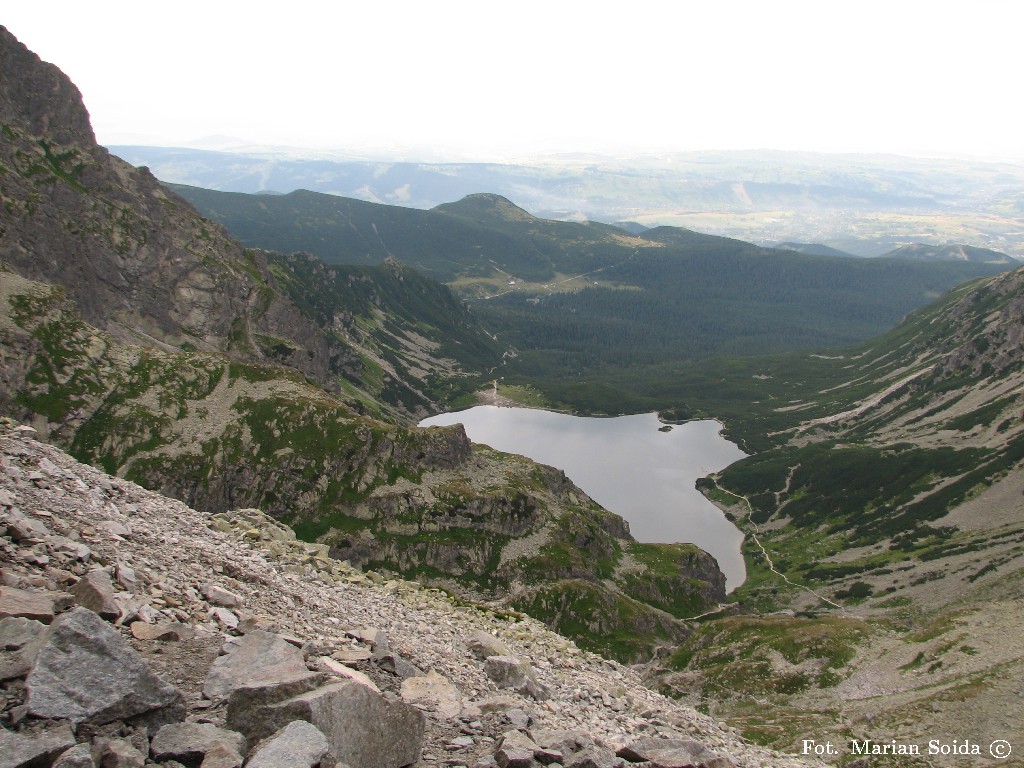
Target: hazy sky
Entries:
(502, 79)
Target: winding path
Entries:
(767, 557)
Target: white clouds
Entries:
(792, 74)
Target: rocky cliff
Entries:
(139, 262)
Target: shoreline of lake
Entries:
(653, 488)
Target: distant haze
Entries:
(470, 80)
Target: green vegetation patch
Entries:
(599, 619)
(733, 656)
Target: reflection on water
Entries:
(628, 465)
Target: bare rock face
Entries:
(38, 98)
(86, 672)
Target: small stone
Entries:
(377, 639)
(224, 617)
(95, 591)
(352, 655)
(115, 529)
(332, 667)
(189, 742)
(79, 756)
(482, 645)
(117, 753)
(25, 530)
(510, 672)
(38, 605)
(126, 576)
(518, 718)
(217, 595)
(166, 632)
(18, 749)
(298, 745)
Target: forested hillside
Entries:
(583, 304)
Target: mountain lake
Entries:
(634, 466)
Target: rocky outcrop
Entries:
(140, 262)
(37, 98)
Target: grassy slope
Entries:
(886, 495)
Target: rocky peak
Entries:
(38, 98)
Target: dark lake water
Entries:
(627, 465)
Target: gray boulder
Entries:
(23, 751)
(190, 742)
(222, 756)
(118, 753)
(20, 640)
(79, 756)
(168, 631)
(515, 750)
(298, 745)
(593, 757)
(363, 728)
(85, 672)
(247, 703)
(481, 644)
(217, 595)
(510, 672)
(252, 658)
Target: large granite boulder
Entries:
(85, 672)
(254, 657)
